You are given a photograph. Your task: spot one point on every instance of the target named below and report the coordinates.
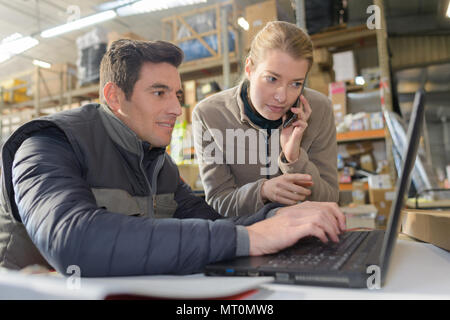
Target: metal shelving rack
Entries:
(345, 38)
(223, 60)
(15, 114)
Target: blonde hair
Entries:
(283, 36)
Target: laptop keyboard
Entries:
(312, 253)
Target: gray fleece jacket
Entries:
(236, 156)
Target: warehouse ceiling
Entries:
(30, 17)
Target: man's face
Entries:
(154, 106)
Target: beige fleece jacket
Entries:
(234, 158)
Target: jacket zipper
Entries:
(158, 166)
(267, 154)
(150, 207)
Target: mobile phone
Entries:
(290, 116)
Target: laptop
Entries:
(348, 263)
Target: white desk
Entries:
(417, 271)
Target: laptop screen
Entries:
(403, 183)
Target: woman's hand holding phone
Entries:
(292, 135)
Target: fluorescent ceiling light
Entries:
(145, 6)
(79, 24)
(448, 10)
(113, 4)
(42, 64)
(15, 44)
(243, 23)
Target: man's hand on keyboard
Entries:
(319, 219)
(329, 209)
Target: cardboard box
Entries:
(344, 65)
(338, 96)
(257, 16)
(376, 121)
(190, 92)
(323, 58)
(382, 199)
(190, 97)
(358, 148)
(319, 79)
(345, 175)
(380, 181)
(428, 225)
(50, 80)
(360, 216)
(113, 36)
(367, 162)
(358, 192)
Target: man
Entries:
(93, 186)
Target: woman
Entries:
(233, 128)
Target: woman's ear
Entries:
(111, 93)
(248, 67)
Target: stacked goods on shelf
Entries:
(321, 73)
(357, 155)
(338, 97)
(358, 193)
(181, 150)
(60, 78)
(364, 101)
(11, 121)
(360, 216)
(179, 134)
(322, 57)
(182, 145)
(258, 14)
(207, 89)
(355, 111)
(91, 48)
(199, 32)
(195, 48)
(113, 36)
(381, 193)
(325, 14)
(190, 97)
(190, 174)
(344, 66)
(14, 91)
(371, 77)
(361, 121)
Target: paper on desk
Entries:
(16, 285)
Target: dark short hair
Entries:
(122, 63)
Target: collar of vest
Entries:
(122, 134)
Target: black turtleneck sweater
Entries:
(254, 115)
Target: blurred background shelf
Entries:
(351, 136)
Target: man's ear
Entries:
(111, 93)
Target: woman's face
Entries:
(275, 83)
